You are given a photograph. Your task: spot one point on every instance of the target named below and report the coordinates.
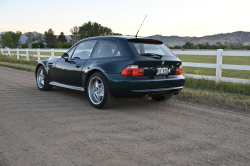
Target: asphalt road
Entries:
(60, 127)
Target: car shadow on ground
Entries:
(122, 104)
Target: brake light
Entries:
(178, 70)
(132, 70)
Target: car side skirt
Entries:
(67, 86)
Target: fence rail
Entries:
(218, 66)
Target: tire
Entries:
(161, 98)
(99, 92)
(42, 79)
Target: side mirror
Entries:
(65, 56)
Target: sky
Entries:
(164, 17)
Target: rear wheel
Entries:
(42, 79)
(99, 92)
(161, 98)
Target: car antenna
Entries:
(140, 26)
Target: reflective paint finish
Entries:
(67, 73)
(66, 86)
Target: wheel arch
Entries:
(41, 64)
(92, 72)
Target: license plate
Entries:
(162, 71)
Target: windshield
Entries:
(158, 49)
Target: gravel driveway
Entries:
(60, 127)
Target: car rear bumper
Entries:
(137, 87)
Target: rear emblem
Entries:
(162, 62)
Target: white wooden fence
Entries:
(218, 66)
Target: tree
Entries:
(50, 38)
(61, 38)
(218, 43)
(39, 38)
(117, 34)
(75, 34)
(91, 29)
(189, 45)
(30, 37)
(11, 39)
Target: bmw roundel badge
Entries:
(162, 62)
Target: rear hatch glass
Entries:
(155, 57)
(149, 46)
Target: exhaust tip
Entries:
(175, 93)
(151, 94)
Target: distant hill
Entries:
(23, 37)
(235, 37)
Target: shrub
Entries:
(35, 45)
(25, 46)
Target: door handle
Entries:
(78, 65)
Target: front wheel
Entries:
(42, 79)
(99, 92)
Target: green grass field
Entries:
(212, 59)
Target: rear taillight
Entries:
(178, 70)
(132, 70)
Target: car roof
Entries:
(109, 37)
(115, 37)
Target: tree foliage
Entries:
(117, 34)
(39, 38)
(30, 37)
(50, 38)
(74, 34)
(61, 38)
(11, 39)
(91, 29)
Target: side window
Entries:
(84, 50)
(71, 51)
(106, 48)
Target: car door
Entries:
(69, 71)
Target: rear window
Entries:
(159, 49)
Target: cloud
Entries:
(70, 14)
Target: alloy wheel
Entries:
(96, 90)
(40, 78)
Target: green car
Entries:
(111, 67)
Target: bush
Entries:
(25, 46)
(35, 45)
(51, 46)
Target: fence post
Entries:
(1, 50)
(27, 54)
(218, 65)
(38, 55)
(9, 51)
(52, 52)
(17, 53)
